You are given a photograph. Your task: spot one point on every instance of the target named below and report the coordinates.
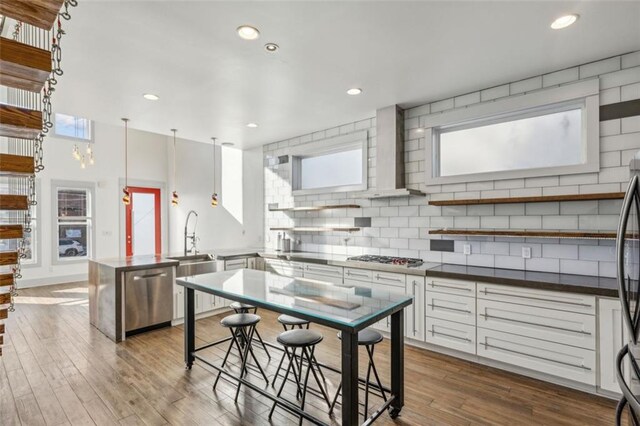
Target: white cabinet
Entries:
(327, 273)
(178, 301)
(450, 334)
(284, 267)
(451, 307)
(389, 279)
(449, 286)
(232, 265)
(415, 314)
(610, 341)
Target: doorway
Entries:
(143, 222)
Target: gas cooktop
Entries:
(388, 260)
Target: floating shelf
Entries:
(317, 229)
(538, 199)
(315, 208)
(528, 234)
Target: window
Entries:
(545, 139)
(69, 126)
(545, 133)
(29, 238)
(73, 224)
(337, 165)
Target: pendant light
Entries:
(174, 194)
(126, 198)
(214, 195)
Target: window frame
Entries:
(72, 138)
(350, 142)
(36, 231)
(56, 185)
(583, 93)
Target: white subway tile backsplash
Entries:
(609, 128)
(508, 262)
(597, 253)
(607, 269)
(442, 105)
(525, 85)
(494, 222)
(619, 142)
(631, 60)
(509, 184)
(613, 174)
(620, 78)
(610, 96)
(560, 251)
(610, 159)
(525, 222)
(468, 99)
(579, 179)
(630, 124)
(578, 267)
(552, 208)
(598, 222)
(516, 209)
(399, 222)
(489, 247)
(484, 260)
(541, 181)
(494, 93)
(480, 210)
(560, 223)
(542, 264)
(466, 222)
(600, 67)
(560, 77)
(630, 92)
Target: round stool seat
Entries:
(240, 320)
(289, 320)
(299, 338)
(236, 306)
(367, 337)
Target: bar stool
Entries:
(243, 308)
(242, 328)
(305, 340)
(367, 338)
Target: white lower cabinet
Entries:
(452, 335)
(451, 307)
(178, 302)
(556, 359)
(414, 314)
(611, 340)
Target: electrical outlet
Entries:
(526, 252)
(466, 249)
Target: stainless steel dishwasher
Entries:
(148, 297)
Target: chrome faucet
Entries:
(191, 236)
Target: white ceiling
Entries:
(212, 83)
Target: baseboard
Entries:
(41, 282)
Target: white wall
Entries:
(150, 162)
(400, 226)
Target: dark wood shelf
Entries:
(537, 199)
(527, 234)
(317, 229)
(315, 208)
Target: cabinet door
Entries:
(385, 323)
(178, 305)
(453, 335)
(414, 314)
(323, 278)
(610, 341)
(199, 296)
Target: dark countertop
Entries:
(584, 284)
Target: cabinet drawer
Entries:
(286, 268)
(543, 298)
(449, 334)
(387, 278)
(356, 283)
(232, 265)
(358, 274)
(323, 278)
(551, 358)
(332, 271)
(451, 307)
(445, 285)
(568, 328)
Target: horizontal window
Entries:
(73, 127)
(328, 170)
(517, 142)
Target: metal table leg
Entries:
(397, 363)
(349, 379)
(189, 327)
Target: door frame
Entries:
(164, 211)
(129, 217)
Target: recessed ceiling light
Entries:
(248, 32)
(271, 47)
(564, 21)
(151, 97)
(227, 143)
(252, 125)
(354, 91)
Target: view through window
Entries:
(74, 222)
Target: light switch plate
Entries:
(526, 252)
(466, 249)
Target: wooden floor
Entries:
(57, 369)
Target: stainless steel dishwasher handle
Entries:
(143, 277)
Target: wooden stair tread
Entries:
(11, 164)
(8, 258)
(6, 280)
(13, 202)
(39, 13)
(5, 298)
(4, 314)
(1, 328)
(23, 66)
(8, 232)
(16, 122)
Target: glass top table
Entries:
(344, 307)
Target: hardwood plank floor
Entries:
(56, 369)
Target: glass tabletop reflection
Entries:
(342, 305)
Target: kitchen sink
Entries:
(195, 264)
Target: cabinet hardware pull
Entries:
(357, 275)
(497, 293)
(487, 316)
(332, 271)
(142, 277)
(382, 277)
(434, 306)
(464, 339)
(415, 307)
(487, 346)
(433, 285)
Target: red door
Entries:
(143, 222)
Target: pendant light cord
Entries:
(174, 158)
(126, 152)
(214, 164)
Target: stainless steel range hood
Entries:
(390, 155)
